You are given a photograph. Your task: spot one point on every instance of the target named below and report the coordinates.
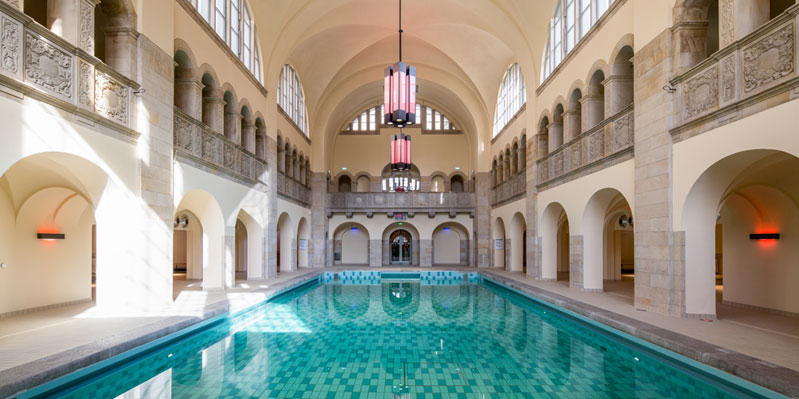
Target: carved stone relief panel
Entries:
(623, 133)
(87, 26)
(558, 160)
(48, 67)
(575, 155)
(596, 146)
(10, 47)
(701, 93)
(110, 98)
(728, 78)
(184, 137)
(85, 84)
(230, 157)
(769, 59)
(246, 166)
(209, 147)
(15, 3)
(726, 22)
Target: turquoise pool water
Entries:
(374, 338)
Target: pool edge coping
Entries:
(781, 380)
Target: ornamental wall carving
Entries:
(87, 26)
(728, 78)
(85, 84)
(727, 22)
(110, 98)
(48, 67)
(10, 46)
(701, 93)
(769, 59)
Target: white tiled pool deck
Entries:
(34, 336)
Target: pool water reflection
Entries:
(466, 340)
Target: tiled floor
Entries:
(32, 336)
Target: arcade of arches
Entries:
(640, 155)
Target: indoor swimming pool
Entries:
(402, 335)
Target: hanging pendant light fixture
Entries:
(399, 89)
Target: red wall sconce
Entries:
(50, 236)
(764, 236)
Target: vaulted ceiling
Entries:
(461, 49)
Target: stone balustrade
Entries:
(595, 148)
(412, 202)
(197, 142)
(292, 189)
(509, 190)
(37, 62)
(760, 66)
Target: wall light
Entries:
(343, 168)
(50, 236)
(764, 236)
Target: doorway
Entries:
(400, 248)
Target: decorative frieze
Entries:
(701, 93)
(85, 84)
(110, 98)
(15, 3)
(86, 29)
(412, 202)
(769, 59)
(10, 46)
(48, 67)
(726, 22)
(728, 79)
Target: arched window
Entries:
(430, 119)
(291, 98)
(512, 95)
(456, 184)
(344, 184)
(571, 20)
(232, 21)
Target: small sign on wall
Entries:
(499, 244)
(303, 244)
(400, 216)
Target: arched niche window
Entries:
(456, 184)
(391, 179)
(344, 184)
(291, 98)
(427, 117)
(571, 20)
(232, 21)
(512, 95)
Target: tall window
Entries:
(232, 21)
(512, 95)
(570, 22)
(427, 118)
(291, 97)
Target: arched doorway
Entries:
(450, 245)
(241, 250)
(498, 243)
(303, 236)
(728, 259)
(200, 215)
(351, 245)
(285, 236)
(608, 239)
(518, 228)
(400, 247)
(555, 243)
(187, 247)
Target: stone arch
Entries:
(206, 208)
(457, 182)
(363, 182)
(351, 244)
(415, 241)
(212, 108)
(450, 241)
(542, 139)
(252, 247)
(514, 151)
(518, 245)
(593, 100)
(498, 243)
(619, 84)
(285, 243)
(593, 230)
(247, 127)
(344, 182)
(303, 243)
(116, 38)
(232, 125)
(260, 137)
(556, 127)
(572, 125)
(552, 222)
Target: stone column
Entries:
(270, 227)
(260, 146)
(738, 18)
(425, 253)
(248, 136)
(375, 253)
(694, 37)
(65, 18)
(555, 135)
(319, 221)
(506, 168)
(572, 124)
(482, 218)
(213, 113)
(576, 261)
(281, 160)
(593, 111)
(541, 148)
(229, 268)
(618, 93)
(120, 43)
(188, 93)
(232, 126)
(531, 211)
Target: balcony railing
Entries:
(293, 190)
(509, 190)
(196, 141)
(595, 148)
(759, 67)
(42, 64)
(412, 202)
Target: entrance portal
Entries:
(400, 248)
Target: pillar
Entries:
(593, 110)
(121, 40)
(576, 261)
(64, 19)
(270, 227)
(188, 93)
(232, 126)
(738, 18)
(248, 136)
(482, 218)
(319, 220)
(572, 124)
(375, 253)
(555, 136)
(618, 92)
(213, 113)
(425, 253)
